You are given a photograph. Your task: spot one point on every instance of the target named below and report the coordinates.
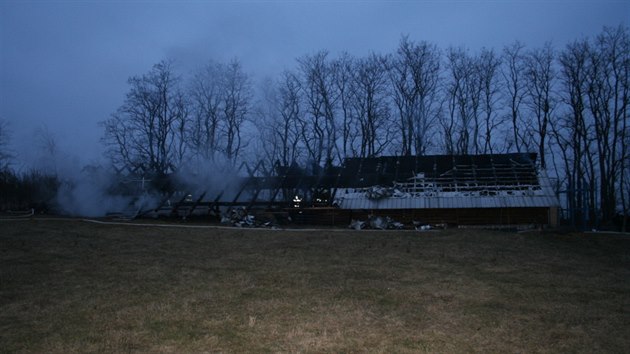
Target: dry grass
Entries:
(71, 286)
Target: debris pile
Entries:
(239, 217)
(386, 223)
(421, 226)
(357, 224)
(398, 194)
(378, 192)
(425, 226)
(377, 223)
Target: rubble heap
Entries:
(239, 217)
(377, 223)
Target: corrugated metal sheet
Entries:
(450, 202)
(543, 197)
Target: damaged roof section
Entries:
(456, 170)
(415, 182)
(444, 181)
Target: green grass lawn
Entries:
(73, 286)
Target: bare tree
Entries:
(573, 132)
(415, 77)
(221, 96)
(344, 72)
(279, 120)
(320, 135)
(514, 87)
(5, 139)
(46, 141)
(370, 104)
(48, 150)
(236, 99)
(540, 80)
(144, 134)
(290, 111)
(464, 94)
(488, 65)
(205, 98)
(609, 98)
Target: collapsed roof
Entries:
(447, 181)
(454, 170)
(433, 181)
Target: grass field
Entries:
(73, 286)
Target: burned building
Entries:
(493, 189)
(469, 189)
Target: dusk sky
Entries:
(65, 64)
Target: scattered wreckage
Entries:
(387, 223)
(240, 217)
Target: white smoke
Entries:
(210, 176)
(87, 192)
(84, 190)
(95, 190)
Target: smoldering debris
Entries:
(396, 225)
(240, 217)
(377, 223)
(357, 224)
(421, 226)
(378, 192)
(384, 223)
(425, 226)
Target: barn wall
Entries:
(459, 216)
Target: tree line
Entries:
(569, 105)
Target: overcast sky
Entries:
(65, 64)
